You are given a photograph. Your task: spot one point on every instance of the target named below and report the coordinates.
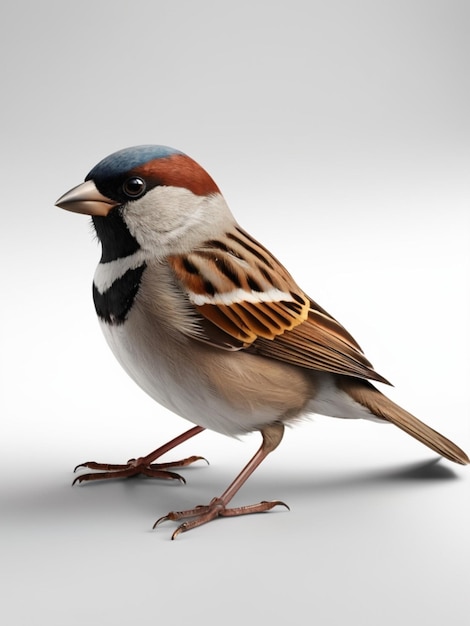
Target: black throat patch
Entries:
(116, 240)
(114, 304)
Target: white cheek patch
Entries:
(160, 213)
(167, 220)
(107, 273)
(240, 295)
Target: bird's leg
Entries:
(143, 465)
(272, 436)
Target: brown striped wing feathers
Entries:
(320, 343)
(236, 285)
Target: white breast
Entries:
(176, 373)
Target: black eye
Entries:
(134, 187)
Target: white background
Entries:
(339, 134)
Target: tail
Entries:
(366, 394)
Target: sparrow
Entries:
(211, 325)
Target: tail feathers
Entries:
(371, 398)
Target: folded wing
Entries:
(246, 299)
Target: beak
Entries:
(86, 198)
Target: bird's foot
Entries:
(134, 467)
(216, 508)
(143, 465)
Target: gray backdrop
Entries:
(339, 133)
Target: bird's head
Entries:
(149, 197)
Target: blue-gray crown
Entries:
(127, 159)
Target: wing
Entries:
(247, 300)
(320, 343)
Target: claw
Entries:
(129, 472)
(181, 528)
(202, 514)
(183, 463)
(160, 520)
(276, 503)
(134, 467)
(143, 465)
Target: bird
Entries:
(212, 326)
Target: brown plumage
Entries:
(209, 323)
(295, 331)
(378, 404)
